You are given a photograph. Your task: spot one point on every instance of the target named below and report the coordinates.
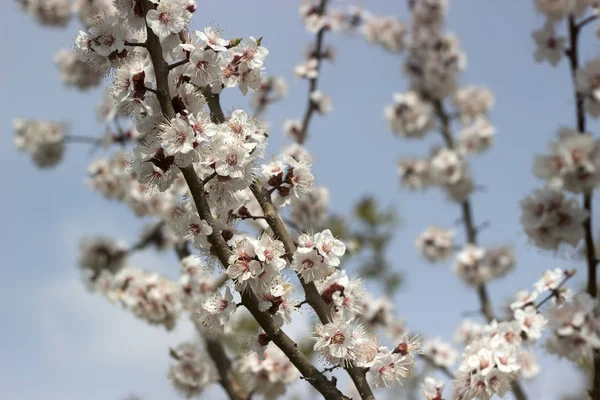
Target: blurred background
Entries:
(57, 341)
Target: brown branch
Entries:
(161, 69)
(215, 349)
(223, 363)
(148, 237)
(556, 291)
(249, 300)
(471, 232)
(313, 82)
(219, 247)
(586, 21)
(442, 369)
(82, 139)
(135, 44)
(313, 298)
(178, 64)
(208, 178)
(591, 259)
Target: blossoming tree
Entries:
(253, 234)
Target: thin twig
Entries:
(178, 64)
(586, 21)
(471, 233)
(556, 291)
(208, 178)
(312, 295)
(313, 82)
(135, 44)
(592, 261)
(217, 353)
(148, 238)
(82, 139)
(431, 363)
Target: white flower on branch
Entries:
(486, 370)
(555, 9)
(99, 254)
(550, 218)
(255, 262)
(321, 102)
(192, 370)
(212, 39)
(477, 137)
(448, 167)
(467, 332)
(75, 72)
(270, 375)
(311, 211)
(149, 296)
(388, 368)
(588, 83)
(529, 365)
(432, 388)
(215, 311)
(48, 12)
(204, 67)
(415, 173)
(574, 162)
(317, 256)
(343, 295)
(170, 16)
(308, 69)
(440, 353)
(289, 180)
(409, 116)
(44, 140)
(385, 31)
(530, 322)
(342, 342)
(435, 244)
(575, 329)
(473, 102)
(132, 10)
(550, 47)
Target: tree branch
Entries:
(310, 107)
(590, 251)
(471, 233)
(82, 139)
(220, 248)
(431, 363)
(313, 298)
(218, 355)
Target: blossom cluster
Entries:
(270, 372)
(191, 370)
(476, 265)
(317, 256)
(178, 128)
(44, 140)
(48, 12)
(550, 218)
(573, 162)
(575, 329)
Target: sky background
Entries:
(57, 341)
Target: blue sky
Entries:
(59, 342)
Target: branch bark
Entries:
(220, 248)
(312, 86)
(217, 352)
(590, 250)
(313, 298)
(471, 233)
